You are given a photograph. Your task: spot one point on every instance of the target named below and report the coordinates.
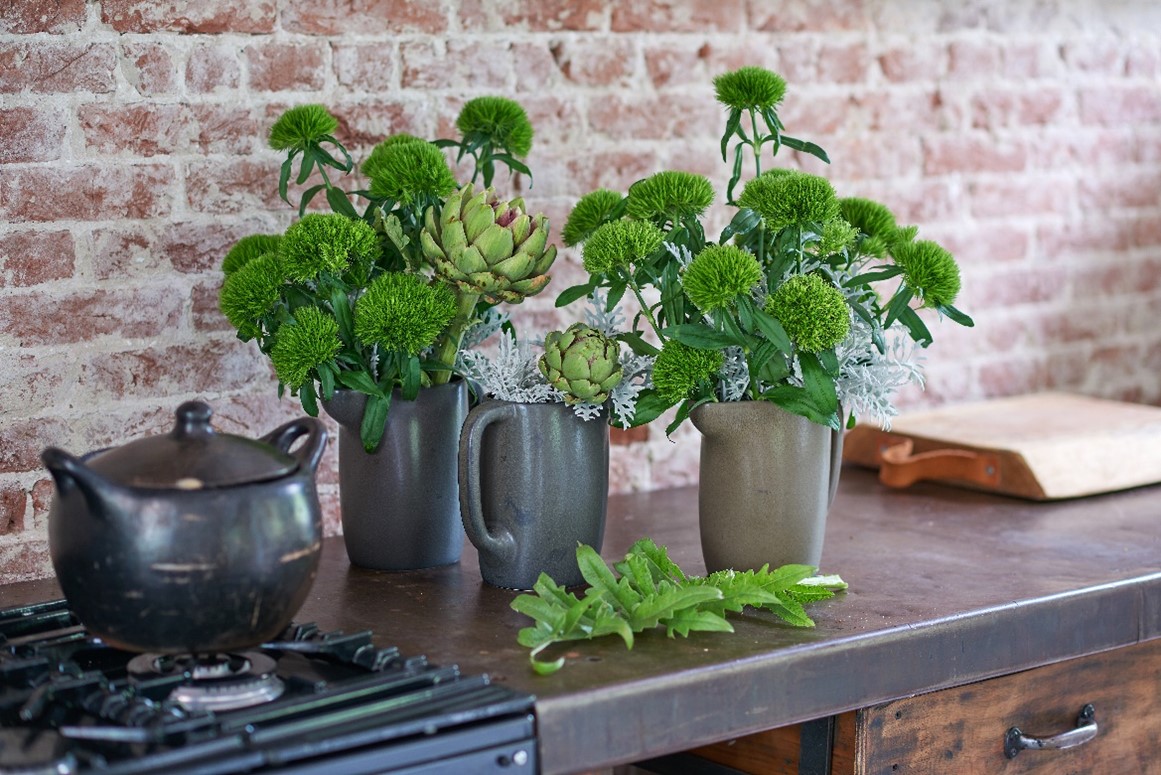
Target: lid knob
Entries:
(193, 420)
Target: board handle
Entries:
(901, 468)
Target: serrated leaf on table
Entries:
(668, 600)
(688, 620)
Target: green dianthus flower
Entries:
(749, 88)
(813, 312)
(836, 235)
(620, 243)
(929, 270)
(669, 195)
(718, 275)
(679, 369)
(247, 249)
(304, 345)
(401, 312)
(590, 212)
(325, 242)
(790, 198)
(403, 170)
(250, 293)
(872, 219)
(302, 126)
(497, 120)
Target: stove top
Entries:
(311, 701)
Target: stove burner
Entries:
(213, 681)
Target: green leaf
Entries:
(308, 160)
(818, 384)
(736, 173)
(597, 573)
(638, 344)
(412, 378)
(772, 330)
(897, 304)
(665, 604)
(326, 378)
(702, 337)
(649, 407)
(514, 164)
(875, 275)
(360, 381)
(374, 421)
(341, 308)
(829, 362)
(308, 399)
(339, 203)
(956, 315)
(733, 124)
(915, 326)
(284, 177)
(445, 143)
(571, 294)
(805, 147)
(688, 620)
(348, 164)
(307, 196)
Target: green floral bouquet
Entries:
(381, 299)
(786, 305)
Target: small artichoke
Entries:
(582, 363)
(488, 246)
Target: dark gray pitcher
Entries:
(534, 482)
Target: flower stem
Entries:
(756, 143)
(645, 308)
(449, 344)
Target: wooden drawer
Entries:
(962, 730)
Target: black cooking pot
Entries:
(195, 541)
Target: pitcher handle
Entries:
(310, 453)
(471, 500)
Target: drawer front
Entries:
(962, 730)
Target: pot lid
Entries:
(192, 456)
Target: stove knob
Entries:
(519, 758)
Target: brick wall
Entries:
(1024, 135)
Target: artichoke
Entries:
(488, 246)
(582, 363)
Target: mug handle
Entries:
(309, 453)
(503, 546)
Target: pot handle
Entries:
(471, 501)
(308, 454)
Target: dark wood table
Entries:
(947, 587)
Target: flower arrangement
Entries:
(381, 299)
(785, 306)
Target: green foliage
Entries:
(325, 243)
(647, 590)
(718, 275)
(592, 210)
(404, 171)
(620, 244)
(302, 127)
(929, 270)
(400, 311)
(305, 345)
(681, 369)
(749, 88)
(498, 121)
(251, 293)
(790, 199)
(669, 196)
(247, 249)
(812, 311)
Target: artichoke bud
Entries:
(582, 363)
(430, 249)
(521, 227)
(514, 268)
(495, 243)
(471, 260)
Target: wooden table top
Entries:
(947, 586)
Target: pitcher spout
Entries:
(70, 475)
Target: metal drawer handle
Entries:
(1016, 741)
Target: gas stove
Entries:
(310, 702)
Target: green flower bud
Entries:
(790, 198)
(929, 270)
(247, 249)
(326, 242)
(302, 346)
(718, 275)
(497, 120)
(404, 171)
(680, 369)
(872, 219)
(669, 195)
(302, 126)
(813, 312)
(250, 293)
(620, 243)
(836, 235)
(749, 88)
(582, 363)
(401, 312)
(593, 209)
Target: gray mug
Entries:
(534, 482)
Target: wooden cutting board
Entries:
(1042, 446)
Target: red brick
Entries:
(31, 134)
(81, 316)
(807, 16)
(676, 64)
(22, 441)
(286, 66)
(888, 109)
(1016, 197)
(35, 257)
(366, 66)
(629, 436)
(536, 70)
(1082, 237)
(1101, 193)
(13, 506)
(162, 371)
(815, 118)
(1021, 286)
(477, 63)
(225, 129)
(212, 68)
(149, 68)
(41, 383)
(207, 16)
(369, 17)
(1024, 374)
(196, 247)
(143, 129)
(997, 242)
(241, 187)
(798, 62)
(1116, 105)
(973, 153)
(23, 17)
(732, 53)
(1043, 106)
(25, 560)
(86, 192)
(919, 61)
(1143, 61)
(542, 16)
(65, 68)
(126, 252)
(873, 155)
(844, 62)
(611, 169)
(924, 200)
(364, 123)
(596, 61)
(204, 308)
(1090, 55)
(973, 59)
(657, 16)
(558, 122)
(1145, 230)
(643, 117)
(1038, 58)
